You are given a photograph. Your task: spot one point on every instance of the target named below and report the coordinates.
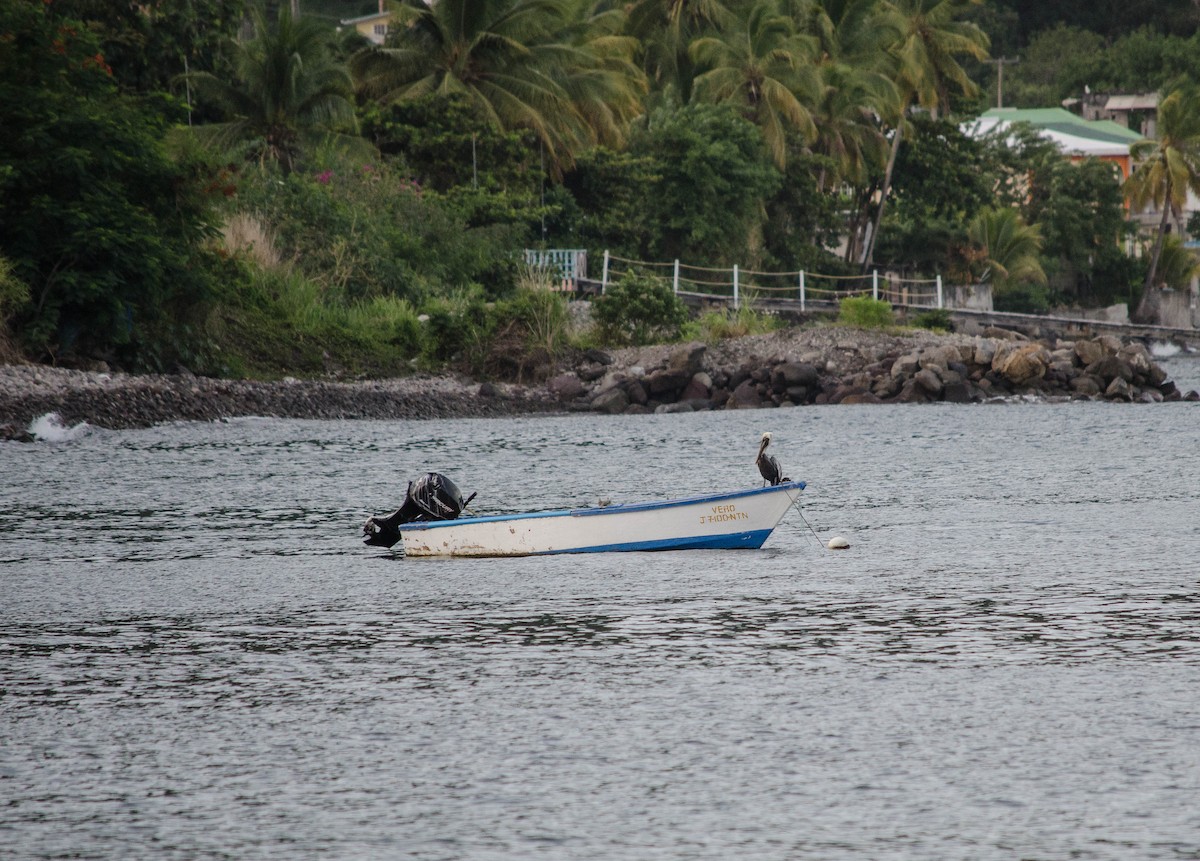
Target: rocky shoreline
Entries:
(792, 367)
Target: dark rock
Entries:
(698, 388)
(745, 396)
(664, 381)
(591, 372)
(566, 387)
(1119, 390)
(911, 393)
(957, 393)
(798, 374)
(928, 380)
(1111, 368)
(598, 356)
(687, 359)
(1087, 384)
(636, 392)
(612, 401)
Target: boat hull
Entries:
(738, 520)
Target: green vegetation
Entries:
(220, 185)
(935, 319)
(714, 326)
(639, 309)
(865, 312)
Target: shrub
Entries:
(936, 319)
(530, 330)
(865, 312)
(13, 296)
(1021, 298)
(639, 309)
(713, 326)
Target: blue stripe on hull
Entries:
(736, 541)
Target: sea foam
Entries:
(50, 428)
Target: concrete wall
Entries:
(1179, 309)
(975, 297)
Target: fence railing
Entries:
(567, 266)
(736, 285)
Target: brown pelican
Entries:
(768, 466)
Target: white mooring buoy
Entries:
(837, 542)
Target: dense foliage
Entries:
(214, 182)
(104, 228)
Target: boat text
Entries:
(724, 514)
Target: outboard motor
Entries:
(430, 497)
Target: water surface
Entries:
(199, 660)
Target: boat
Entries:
(429, 522)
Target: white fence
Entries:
(736, 285)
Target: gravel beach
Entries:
(785, 368)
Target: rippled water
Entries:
(198, 658)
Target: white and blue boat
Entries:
(429, 523)
(725, 521)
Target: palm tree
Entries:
(766, 69)
(847, 115)
(288, 93)
(522, 64)
(1011, 248)
(929, 38)
(599, 74)
(665, 29)
(1168, 168)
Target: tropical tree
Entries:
(665, 29)
(929, 39)
(712, 174)
(599, 72)
(1167, 169)
(288, 96)
(1009, 247)
(531, 65)
(764, 68)
(103, 232)
(847, 117)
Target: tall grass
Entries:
(713, 326)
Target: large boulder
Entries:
(1111, 368)
(565, 387)
(698, 388)
(667, 381)
(984, 352)
(745, 397)
(906, 365)
(1089, 352)
(1087, 385)
(687, 359)
(1021, 363)
(928, 380)
(798, 374)
(1119, 390)
(613, 401)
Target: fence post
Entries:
(676, 276)
(735, 286)
(801, 289)
(875, 284)
(604, 277)
(939, 288)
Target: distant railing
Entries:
(567, 266)
(735, 285)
